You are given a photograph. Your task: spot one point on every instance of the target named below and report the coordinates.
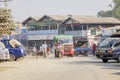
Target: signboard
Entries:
(80, 33)
(19, 36)
(41, 37)
(43, 32)
(23, 30)
(93, 31)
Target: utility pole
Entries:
(6, 21)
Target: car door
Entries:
(116, 46)
(4, 53)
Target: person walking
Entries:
(44, 48)
(34, 51)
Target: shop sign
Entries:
(81, 33)
(40, 37)
(93, 31)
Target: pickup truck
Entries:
(81, 48)
(64, 46)
(16, 49)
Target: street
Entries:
(66, 68)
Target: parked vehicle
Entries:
(109, 49)
(64, 46)
(81, 47)
(115, 35)
(4, 52)
(15, 48)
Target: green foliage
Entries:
(6, 22)
(115, 12)
(105, 13)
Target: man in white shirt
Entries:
(44, 48)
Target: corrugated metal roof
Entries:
(94, 19)
(114, 27)
(36, 17)
(109, 20)
(81, 19)
(29, 18)
(58, 17)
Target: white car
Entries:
(4, 52)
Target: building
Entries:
(46, 27)
(89, 27)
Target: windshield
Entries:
(107, 43)
(64, 41)
(81, 43)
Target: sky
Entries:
(22, 9)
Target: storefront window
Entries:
(53, 27)
(84, 27)
(68, 28)
(45, 27)
(76, 28)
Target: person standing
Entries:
(94, 48)
(48, 50)
(34, 51)
(44, 48)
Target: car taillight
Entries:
(97, 50)
(109, 51)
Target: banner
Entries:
(41, 37)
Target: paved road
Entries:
(67, 68)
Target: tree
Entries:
(104, 13)
(116, 9)
(6, 21)
(115, 12)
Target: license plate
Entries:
(66, 53)
(82, 51)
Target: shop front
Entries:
(37, 40)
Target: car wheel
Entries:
(118, 59)
(85, 54)
(12, 57)
(72, 55)
(20, 58)
(76, 54)
(105, 60)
